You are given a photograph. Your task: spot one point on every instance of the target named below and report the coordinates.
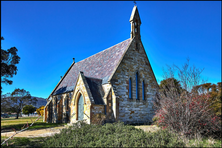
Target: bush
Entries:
(187, 115)
(184, 103)
(115, 135)
(40, 110)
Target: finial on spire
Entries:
(134, 3)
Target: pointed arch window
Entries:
(130, 88)
(137, 86)
(143, 90)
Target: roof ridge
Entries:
(102, 51)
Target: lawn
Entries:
(24, 142)
(8, 123)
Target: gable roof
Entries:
(100, 66)
(95, 87)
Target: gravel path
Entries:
(35, 133)
(51, 131)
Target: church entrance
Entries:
(80, 108)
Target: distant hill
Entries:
(41, 101)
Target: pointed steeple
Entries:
(135, 23)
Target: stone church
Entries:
(117, 83)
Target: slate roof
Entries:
(95, 86)
(100, 66)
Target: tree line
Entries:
(19, 100)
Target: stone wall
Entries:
(59, 111)
(97, 114)
(45, 114)
(134, 110)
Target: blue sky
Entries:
(48, 34)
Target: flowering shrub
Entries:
(186, 105)
(187, 114)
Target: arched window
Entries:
(143, 91)
(130, 88)
(137, 86)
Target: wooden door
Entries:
(80, 108)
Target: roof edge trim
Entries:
(61, 79)
(150, 64)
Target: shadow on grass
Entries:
(37, 125)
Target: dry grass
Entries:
(148, 128)
(8, 123)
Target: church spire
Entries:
(135, 23)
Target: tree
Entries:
(166, 85)
(19, 98)
(5, 102)
(9, 60)
(187, 113)
(40, 110)
(28, 109)
(189, 76)
(215, 95)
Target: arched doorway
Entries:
(80, 108)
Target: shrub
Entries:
(115, 135)
(40, 110)
(187, 114)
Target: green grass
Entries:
(17, 124)
(20, 120)
(24, 142)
